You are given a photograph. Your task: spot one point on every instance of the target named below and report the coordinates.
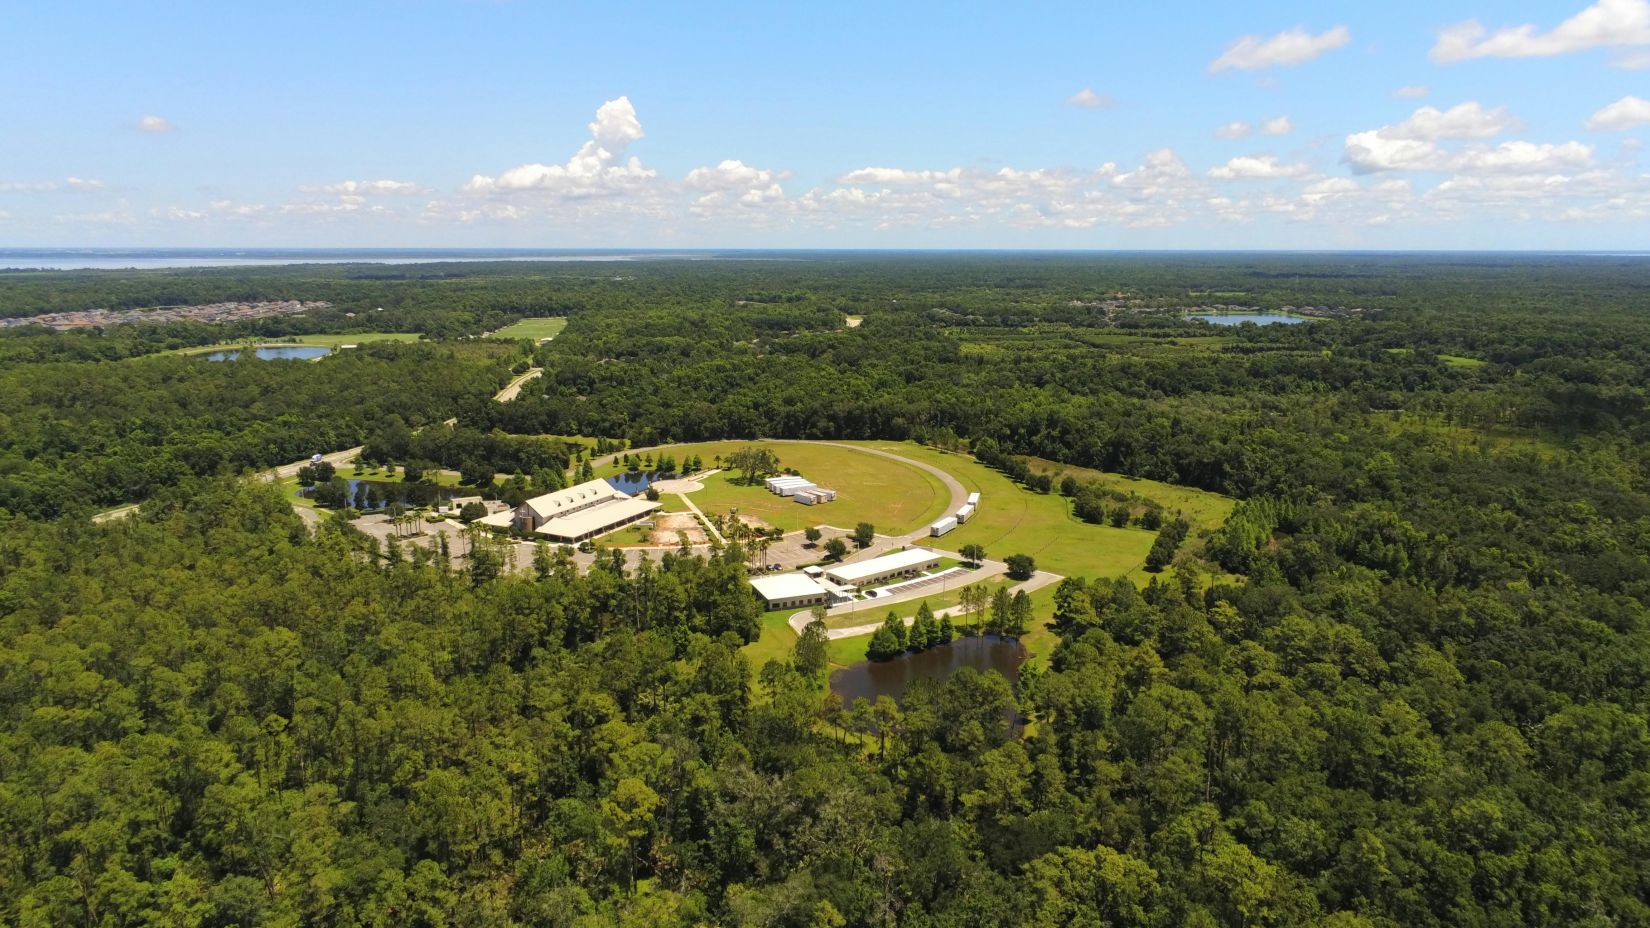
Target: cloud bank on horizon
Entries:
(1480, 160)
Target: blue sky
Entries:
(1083, 125)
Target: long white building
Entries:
(907, 563)
(578, 513)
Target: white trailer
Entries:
(965, 513)
(974, 498)
(942, 526)
(787, 486)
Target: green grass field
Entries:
(1450, 360)
(1012, 520)
(1202, 508)
(326, 341)
(894, 497)
(536, 329)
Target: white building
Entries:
(907, 563)
(578, 513)
(789, 591)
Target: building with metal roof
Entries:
(906, 563)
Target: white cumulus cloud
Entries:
(1234, 130)
(1469, 120)
(369, 187)
(1605, 24)
(597, 169)
(1627, 113)
(1256, 167)
(156, 125)
(1089, 100)
(1286, 49)
(1282, 125)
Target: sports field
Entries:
(894, 497)
(536, 329)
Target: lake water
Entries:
(634, 482)
(869, 679)
(287, 353)
(1239, 318)
(415, 494)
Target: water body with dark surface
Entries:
(869, 679)
(636, 481)
(394, 491)
(1239, 318)
(288, 353)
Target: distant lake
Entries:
(869, 679)
(1239, 318)
(277, 353)
(634, 482)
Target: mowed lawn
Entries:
(894, 497)
(1202, 508)
(1013, 520)
(536, 329)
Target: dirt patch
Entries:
(678, 485)
(759, 524)
(669, 527)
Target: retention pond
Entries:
(869, 679)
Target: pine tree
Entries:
(1001, 606)
(923, 630)
(893, 623)
(1019, 614)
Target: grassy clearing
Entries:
(1194, 342)
(538, 329)
(324, 341)
(1202, 508)
(1466, 437)
(894, 497)
(777, 641)
(1012, 520)
(1450, 360)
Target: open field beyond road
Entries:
(537, 329)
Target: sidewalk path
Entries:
(709, 526)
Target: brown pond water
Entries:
(869, 679)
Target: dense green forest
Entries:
(1406, 684)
